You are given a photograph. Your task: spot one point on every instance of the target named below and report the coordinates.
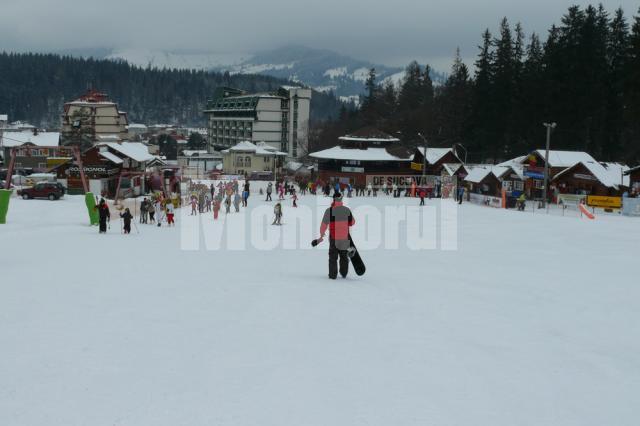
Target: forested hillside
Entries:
(34, 87)
(584, 75)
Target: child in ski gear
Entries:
(194, 206)
(227, 204)
(294, 197)
(216, 208)
(170, 213)
(236, 202)
(126, 217)
(245, 193)
(337, 218)
(422, 194)
(269, 191)
(104, 215)
(277, 211)
(144, 207)
(152, 211)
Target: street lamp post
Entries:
(550, 127)
(424, 159)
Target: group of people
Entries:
(148, 209)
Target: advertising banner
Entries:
(604, 202)
(570, 199)
(486, 200)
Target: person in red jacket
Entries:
(337, 219)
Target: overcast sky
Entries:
(389, 32)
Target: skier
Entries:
(158, 208)
(126, 217)
(422, 194)
(207, 202)
(227, 204)
(236, 202)
(337, 218)
(385, 189)
(213, 190)
(281, 192)
(269, 191)
(294, 197)
(152, 211)
(245, 193)
(144, 207)
(216, 208)
(194, 205)
(460, 194)
(170, 213)
(104, 214)
(369, 189)
(277, 211)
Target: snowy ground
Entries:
(533, 320)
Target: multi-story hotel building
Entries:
(279, 119)
(94, 117)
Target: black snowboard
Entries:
(354, 255)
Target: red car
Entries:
(50, 190)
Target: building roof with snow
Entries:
(611, 175)
(562, 159)
(135, 150)
(249, 147)
(436, 154)
(369, 154)
(15, 139)
(478, 173)
(369, 135)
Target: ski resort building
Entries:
(592, 178)
(279, 119)
(103, 165)
(364, 153)
(36, 151)
(634, 180)
(92, 116)
(370, 152)
(247, 159)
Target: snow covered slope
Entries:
(533, 321)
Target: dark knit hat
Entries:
(337, 196)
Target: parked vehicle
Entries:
(50, 190)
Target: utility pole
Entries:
(550, 127)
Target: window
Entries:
(239, 162)
(538, 184)
(247, 161)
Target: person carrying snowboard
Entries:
(104, 215)
(126, 217)
(337, 218)
(277, 211)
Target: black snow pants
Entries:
(103, 225)
(334, 254)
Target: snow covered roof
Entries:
(452, 168)
(246, 146)
(610, 175)
(137, 126)
(369, 134)
(435, 154)
(4, 117)
(135, 150)
(108, 138)
(111, 157)
(477, 174)
(190, 153)
(293, 166)
(632, 169)
(14, 139)
(564, 158)
(369, 154)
